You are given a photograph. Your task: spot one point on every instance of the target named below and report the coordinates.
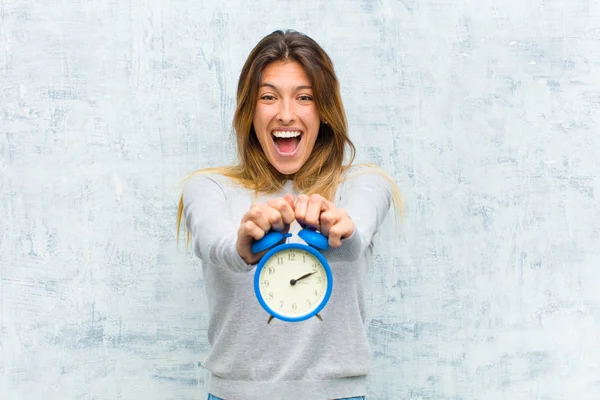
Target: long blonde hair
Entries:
(325, 166)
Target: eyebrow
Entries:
(301, 87)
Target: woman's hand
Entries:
(321, 214)
(276, 214)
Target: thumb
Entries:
(290, 199)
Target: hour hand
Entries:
(294, 281)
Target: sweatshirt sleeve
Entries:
(367, 197)
(208, 218)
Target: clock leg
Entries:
(270, 318)
(319, 316)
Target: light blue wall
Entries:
(486, 112)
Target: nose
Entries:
(286, 114)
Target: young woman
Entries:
(292, 139)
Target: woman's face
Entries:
(286, 120)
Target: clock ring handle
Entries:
(314, 238)
(270, 239)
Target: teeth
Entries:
(286, 134)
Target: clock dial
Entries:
(293, 282)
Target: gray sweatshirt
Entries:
(250, 359)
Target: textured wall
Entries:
(487, 112)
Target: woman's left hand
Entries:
(321, 214)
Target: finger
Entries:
(247, 234)
(290, 199)
(282, 206)
(260, 214)
(287, 212)
(316, 205)
(275, 218)
(250, 230)
(341, 230)
(300, 208)
(328, 219)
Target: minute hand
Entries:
(293, 281)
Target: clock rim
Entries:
(310, 250)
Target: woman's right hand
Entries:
(276, 214)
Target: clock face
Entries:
(293, 283)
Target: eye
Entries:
(305, 97)
(267, 97)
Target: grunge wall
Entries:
(486, 112)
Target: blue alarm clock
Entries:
(293, 281)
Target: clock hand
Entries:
(293, 281)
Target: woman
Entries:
(291, 137)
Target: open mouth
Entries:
(287, 142)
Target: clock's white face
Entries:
(293, 282)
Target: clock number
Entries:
(316, 292)
(279, 260)
(309, 302)
(271, 270)
(303, 258)
(291, 256)
(294, 306)
(271, 296)
(281, 303)
(319, 279)
(265, 283)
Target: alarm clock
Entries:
(292, 281)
